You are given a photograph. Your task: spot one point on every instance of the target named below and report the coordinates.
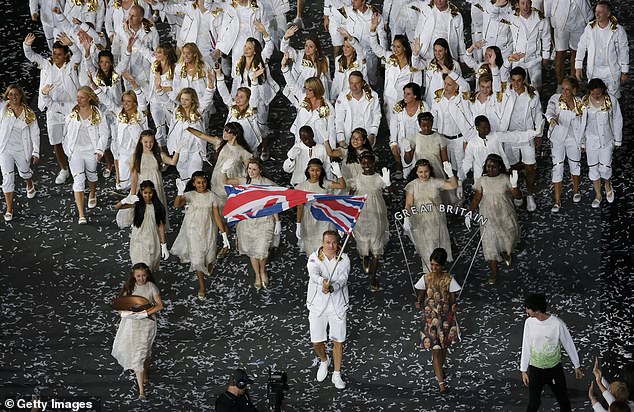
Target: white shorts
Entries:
(55, 127)
(565, 39)
(524, 152)
(600, 162)
(318, 325)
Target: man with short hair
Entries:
(357, 107)
(540, 364)
(327, 302)
(236, 397)
(605, 42)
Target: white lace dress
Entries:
(145, 243)
(236, 155)
(501, 231)
(255, 236)
(312, 229)
(371, 230)
(196, 241)
(133, 343)
(429, 225)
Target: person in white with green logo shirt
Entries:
(544, 335)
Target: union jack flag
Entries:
(342, 210)
(253, 201)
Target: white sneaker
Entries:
(518, 202)
(322, 372)
(531, 206)
(62, 176)
(336, 379)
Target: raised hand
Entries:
(290, 32)
(29, 39)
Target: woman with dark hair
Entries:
(402, 66)
(428, 227)
(437, 283)
(500, 230)
(307, 63)
(257, 236)
(309, 230)
(147, 241)
(350, 60)
(146, 164)
(232, 156)
(602, 126)
(371, 231)
(494, 65)
(132, 346)
(351, 164)
(196, 240)
(404, 126)
(442, 63)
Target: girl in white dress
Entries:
(196, 241)
(350, 165)
(84, 142)
(310, 62)
(132, 346)
(301, 153)
(256, 236)
(602, 125)
(371, 231)
(494, 194)
(427, 144)
(19, 144)
(147, 241)
(146, 165)
(428, 227)
(309, 231)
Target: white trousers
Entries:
(82, 166)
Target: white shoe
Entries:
(30, 193)
(576, 197)
(555, 208)
(62, 176)
(610, 196)
(459, 190)
(596, 203)
(531, 206)
(299, 23)
(336, 379)
(518, 202)
(322, 372)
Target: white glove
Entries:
(335, 169)
(288, 166)
(385, 176)
(467, 222)
(406, 146)
(225, 240)
(165, 254)
(407, 225)
(130, 200)
(513, 178)
(278, 228)
(294, 152)
(298, 231)
(125, 313)
(180, 186)
(138, 315)
(226, 166)
(341, 234)
(447, 167)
